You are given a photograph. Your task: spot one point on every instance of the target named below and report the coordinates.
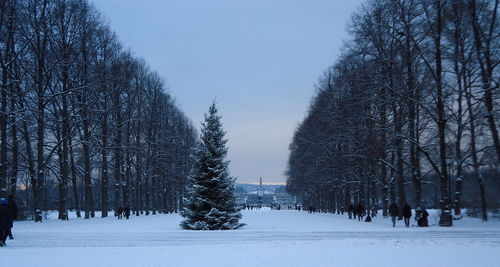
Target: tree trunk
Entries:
(74, 182)
(474, 153)
(104, 165)
(487, 65)
(441, 116)
(89, 201)
(398, 143)
(15, 148)
(117, 148)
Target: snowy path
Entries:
(186, 239)
(272, 238)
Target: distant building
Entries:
(264, 196)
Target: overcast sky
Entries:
(259, 59)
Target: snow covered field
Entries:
(272, 238)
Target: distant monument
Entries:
(261, 190)
(260, 194)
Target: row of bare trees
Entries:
(408, 113)
(84, 124)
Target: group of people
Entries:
(284, 206)
(251, 207)
(120, 212)
(360, 212)
(357, 211)
(420, 215)
(394, 213)
(8, 214)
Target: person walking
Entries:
(407, 214)
(13, 212)
(127, 212)
(118, 213)
(360, 210)
(350, 210)
(394, 213)
(5, 221)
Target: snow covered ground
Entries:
(272, 238)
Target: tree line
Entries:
(84, 124)
(408, 112)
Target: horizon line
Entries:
(268, 183)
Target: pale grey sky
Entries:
(259, 58)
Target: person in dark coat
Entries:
(350, 210)
(13, 212)
(421, 216)
(407, 214)
(5, 221)
(119, 213)
(394, 213)
(359, 211)
(127, 212)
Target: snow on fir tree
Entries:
(211, 204)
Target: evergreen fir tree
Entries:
(211, 204)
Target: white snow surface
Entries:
(271, 238)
